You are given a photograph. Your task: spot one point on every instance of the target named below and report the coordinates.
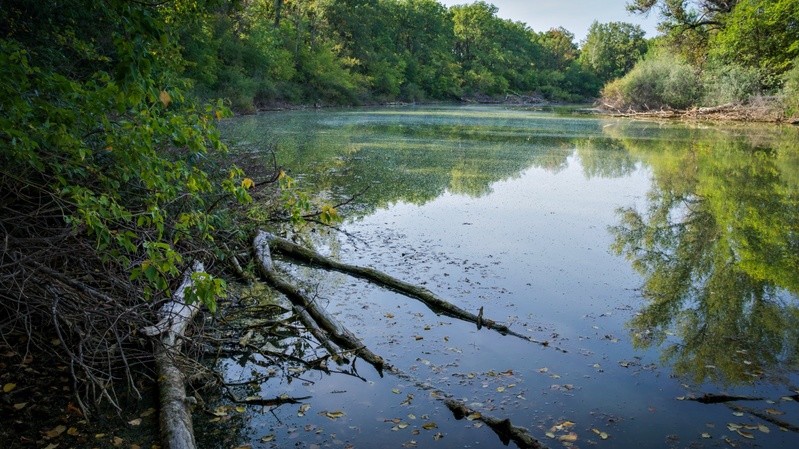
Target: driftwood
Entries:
(338, 333)
(175, 316)
(435, 303)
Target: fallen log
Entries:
(175, 417)
(435, 303)
(338, 333)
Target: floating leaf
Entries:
(20, 405)
(705, 435)
(474, 416)
(403, 425)
(135, 422)
(388, 315)
(745, 434)
(395, 390)
(763, 428)
(738, 413)
(772, 411)
(733, 427)
(550, 434)
(303, 408)
(601, 434)
(429, 425)
(241, 408)
(268, 438)
(8, 387)
(334, 415)
(117, 441)
(500, 389)
(438, 436)
(73, 431)
(570, 437)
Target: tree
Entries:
(612, 49)
(761, 34)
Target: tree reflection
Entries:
(718, 246)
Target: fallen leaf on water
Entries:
(418, 337)
(395, 390)
(20, 406)
(763, 428)
(438, 436)
(562, 425)
(389, 315)
(429, 425)
(99, 435)
(772, 411)
(411, 443)
(601, 434)
(550, 434)
(135, 422)
(745, 434)
(55, 431)
(334, 415)
(117, 441)
(8, 387)
(570, 437)
(705, 435)
(241, 408)
(738, 413)
(268, 438)
(474, 416)
(303, 408)
(500, 389)
(73, 431)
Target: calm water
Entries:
(664, 258)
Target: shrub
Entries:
(730, 84)
(790, 90)
(662, 81)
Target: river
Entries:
(658, 260)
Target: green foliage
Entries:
(612, 49)
(109, 138)
(760, 34)
(790, 92)
(729, 84)
(660, 81)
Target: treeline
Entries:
(716, 52)
(262, 52)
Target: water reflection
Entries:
(718, 246)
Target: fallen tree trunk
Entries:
(435, 303)
(177, 431)
(338, 333)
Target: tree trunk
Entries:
(176, 425)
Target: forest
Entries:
(115, 177)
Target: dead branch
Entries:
(435, 303)
(338, 333)
(504, 429)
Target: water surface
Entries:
(662, 257)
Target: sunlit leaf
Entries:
(165, 98)
(570, 437)
(334, 415)
(247, 183)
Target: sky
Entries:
(574, 15)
